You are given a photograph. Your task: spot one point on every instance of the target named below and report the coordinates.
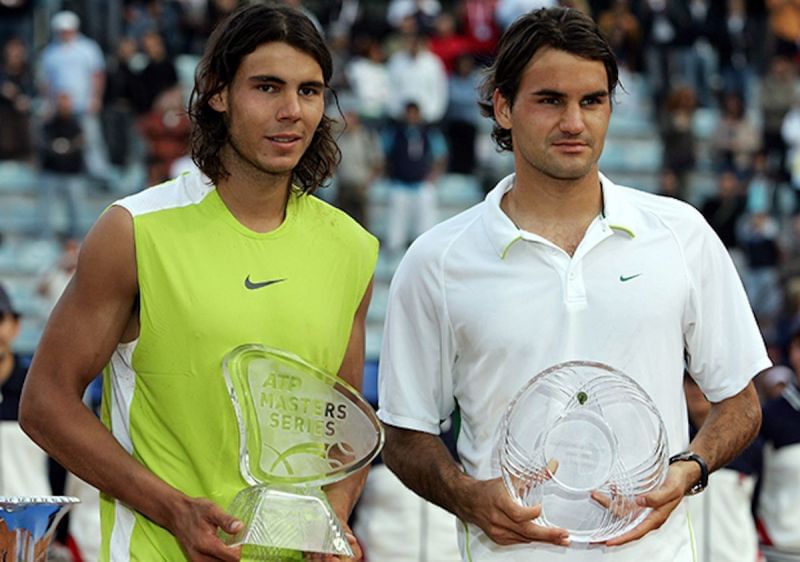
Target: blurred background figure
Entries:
(463, 117)
(779, 499)
(679, 152)
(361, 165)
(23, 465)
(416, 74)
(74, 65)
(416, 155)
(56, 278)
(16, 96)
(165, 129)
(62, 163)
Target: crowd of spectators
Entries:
(103, 95)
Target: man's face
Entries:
(273, 107)
(9, 329)
(560, 116)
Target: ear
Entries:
(219, 102)
(502, 109)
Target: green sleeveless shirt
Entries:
(207, 284)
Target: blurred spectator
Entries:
(463, 116)
(679, 152)
(423, 12)
(416, 155)
(16, 20)
(73, 64)
(509, 10)
(298, 5)
(446, 43)
(668, 184)
(166, 129)
(121, 100)
(790, 131)
(777, 92)
(779, 499)
(480, 26)
(725, 29)
(624, 33)
(418, 75)
(16, 92)
(772, 382)
(369, 80)
(159, 75)
(736, 138)
(723, 527)
(724, 210)
(62, 164)
(56, 278)
(784, 22)
(362, 164)
(758, 239)
(668, 33)
(23, 470)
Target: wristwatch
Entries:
(701, 484)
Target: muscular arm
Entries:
(89, 321)
(425, 465)
(728, 428)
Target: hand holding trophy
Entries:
(300, 429)
(583, 440)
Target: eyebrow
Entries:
(262, 78)
(556, 94)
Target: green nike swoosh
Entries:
(623, 278)
(252, 285)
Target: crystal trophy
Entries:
(27, 524)
(583, 440)
(300, 428)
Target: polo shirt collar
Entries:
(618, 214)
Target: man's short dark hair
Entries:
(238, 35)
(565, 29)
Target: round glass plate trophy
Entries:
(27, 524)
(300, 428)
(583, 440)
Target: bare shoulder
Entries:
(107, 261)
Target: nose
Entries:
(572, 119)
(290, 107)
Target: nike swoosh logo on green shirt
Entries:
(257, 285)
(623, 278)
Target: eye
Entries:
(267, 88)
(550, 101)
(594, 100)
(309, 91)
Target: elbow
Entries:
(30, 414)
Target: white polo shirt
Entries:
(478, 307)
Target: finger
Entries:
(652, 521)
(602, 499)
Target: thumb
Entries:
(226, 522)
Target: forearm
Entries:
(344, 494)
(72, 435)
(729, 427)
(426, 467)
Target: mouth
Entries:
(571, 146)
(284, 139)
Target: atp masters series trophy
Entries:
(27, 524)
(583, 440)
(300, 428)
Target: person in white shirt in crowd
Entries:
(416, 74)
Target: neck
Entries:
(257, 199)
(536, 203)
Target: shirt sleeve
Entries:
(724, 346)
(415, 389)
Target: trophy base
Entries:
(27, 525)
(278, 518)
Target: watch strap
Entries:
(702, 483)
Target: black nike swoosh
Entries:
(251, 285)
